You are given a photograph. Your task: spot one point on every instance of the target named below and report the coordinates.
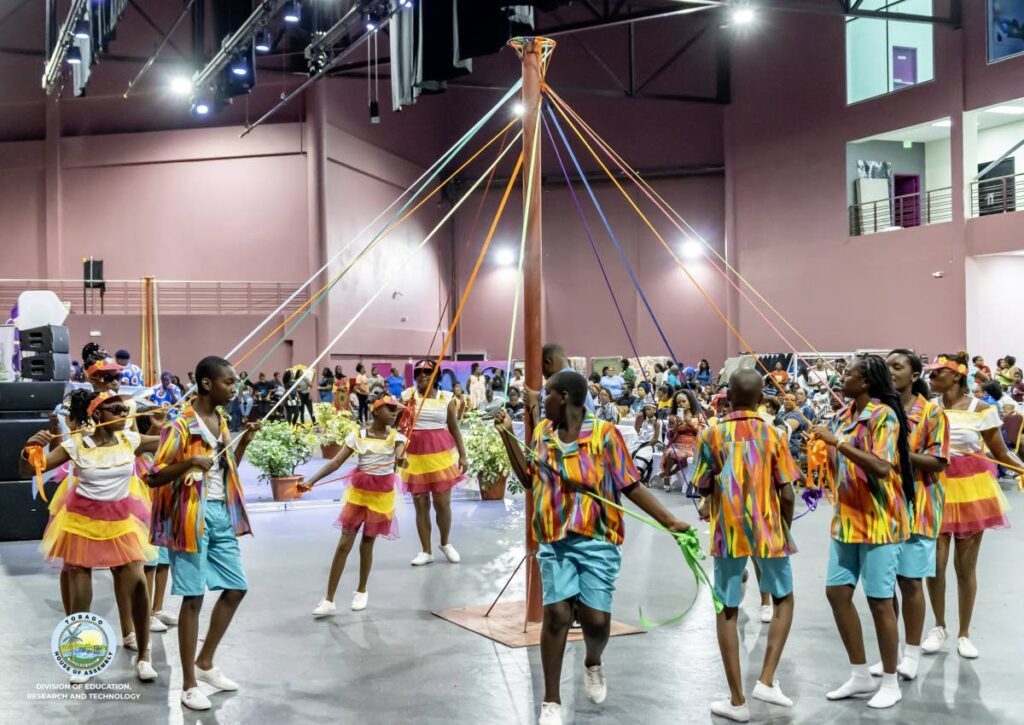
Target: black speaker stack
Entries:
(25, 409)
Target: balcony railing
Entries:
(996, 195)
(902, 212)
(175, 297)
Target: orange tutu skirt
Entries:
(974, 501)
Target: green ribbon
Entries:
(686, 540)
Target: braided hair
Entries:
(920, 386)
(78, 405)
(879, 382)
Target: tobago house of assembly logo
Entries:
(83, 644)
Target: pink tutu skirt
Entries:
(369, 504)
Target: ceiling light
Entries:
(82, 29)
(505, 257)
(292, 12)
(74, 56)
(405, 3)
(692, 249)
(944, 123)
(181, 85)
(264, 42)
(743, 15)
(239, 67)
(200, 108)
(1007, 110)
(371, 25)
(518, 109)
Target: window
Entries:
(883, 56)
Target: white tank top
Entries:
(966, 427)
(434, 413)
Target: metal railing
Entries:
(902, 212)
(175, 297)
(996, 195)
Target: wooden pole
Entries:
(532, 288)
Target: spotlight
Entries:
(180, 85)
(405, 3)
(518, 109)
(505, 257)
(239, 67)
(692, 249)
(74, 56)
(371, 24)
(264, 41)
(82, 29)
(292, 12)
(200, 108)
(743, 15)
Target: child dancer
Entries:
(369, 498)
(871, 459)
(158, 568)
(746, 469)
(578, 536)
(198, 514)
(102, 522)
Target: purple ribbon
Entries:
(811, 497)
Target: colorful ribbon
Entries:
(811, 497)
(817, 463)
(37, 459)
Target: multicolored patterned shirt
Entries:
(131, 375)
(868, 510)
(929, 436)
(178, 507)
(599, 460)
(754, 463)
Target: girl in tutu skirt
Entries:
(103, 519)
(369, 502)
(437, 458)
(974, 501)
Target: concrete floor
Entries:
(396, 663)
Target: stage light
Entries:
(292, 12)
(239, 67)
(371, 25)
(82, 29)
(743, 15)
(505, 257)
(200, 108)
(518, 109)
(74, 56)
(692, 249)
(181, 85)
(405, 3)
(264, 41)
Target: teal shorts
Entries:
(578, 566)
(917, 558)
(217, 564)
(873, 564)
(161, 557)
(776, 577)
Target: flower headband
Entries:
(106, 365)
(944, 362)
(102, 398)
(386, 400)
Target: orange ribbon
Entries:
(37, 459)
(817, 463)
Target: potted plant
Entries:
(331, 427)
(277, 450)
(486, 457)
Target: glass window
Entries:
(886, 55)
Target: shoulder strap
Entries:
(973, 404)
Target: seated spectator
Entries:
(515, 406)
(606, 409)
(1017, 389)
(628, 397)
(664, 401)
(648, 441)
(641, 398)
(613, 383)
(489, 405)
(794, 419)
(1011, 426)
(803, 405)
(517, 379)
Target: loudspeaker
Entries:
(52, 338)
(92, 274)
(30, 396)
(13, 434)
(45, 365)
(23, 516)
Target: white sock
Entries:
(862, 671)
(860, 683)
(888, 694)
(890, 680)
(912, 652)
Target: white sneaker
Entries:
(155, 625)
(724, 708)
(78, 679)
(936, 638)
(766, 613)
(131, 642)
(966, 649)
(451, 554)
(216, 679)
(856, 685)
(144, 670)
(550, 714)
(324, 609)
(359, 601)
(594, 684)
(422, 558)
(166, 617)
(772, 694)
(194, 699)
(885, 697)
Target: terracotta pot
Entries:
(492, 490)
(285, 488)
(330, 451)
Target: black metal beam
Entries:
(159, 31)
(903, 17)
(665, 11)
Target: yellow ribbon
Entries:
(37, 459)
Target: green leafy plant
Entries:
(332, 426)
(486, 458)
(278, 448)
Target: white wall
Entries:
(995, 292)
(937, 165)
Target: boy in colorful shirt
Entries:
(746, 470)
(198, 513)
(578, 535)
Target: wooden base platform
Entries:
(505, 624)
